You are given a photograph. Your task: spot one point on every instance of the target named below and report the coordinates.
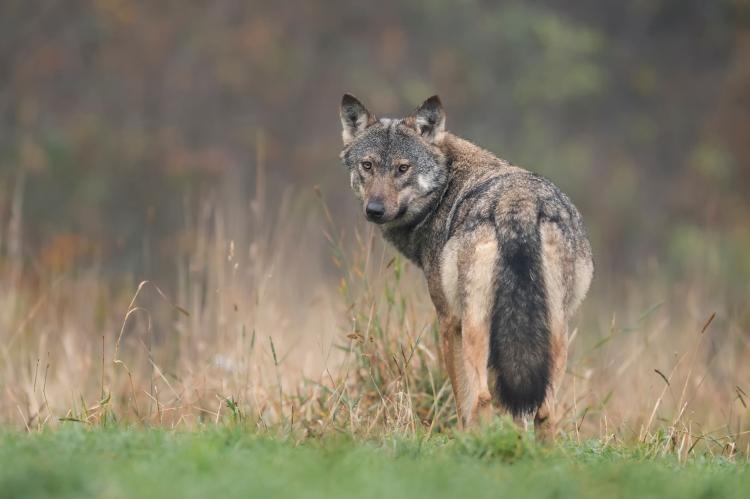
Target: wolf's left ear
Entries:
(354, 118)
(429, 119)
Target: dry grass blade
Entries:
(662, 376)
(347, 350)
(708, 322)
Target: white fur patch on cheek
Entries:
(424, 182)
(406, 195)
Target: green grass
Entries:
(225, 463)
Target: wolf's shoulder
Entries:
(509, 192)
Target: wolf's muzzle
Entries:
(375, 210)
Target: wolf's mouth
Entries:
(376, 219)
(383, 219)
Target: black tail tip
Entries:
(522, 400)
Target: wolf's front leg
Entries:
(450, 337)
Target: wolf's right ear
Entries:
(354, 118)
(429, 119)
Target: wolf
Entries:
(504, 252)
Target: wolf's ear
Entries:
(354, 118)
(429, 119)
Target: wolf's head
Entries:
(396, 167)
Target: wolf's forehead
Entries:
(386, 137)
(390, 124)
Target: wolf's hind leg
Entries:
(554, 263)
(477, 264)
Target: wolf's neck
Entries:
(420, 239)
(467, 155)
(410, 240)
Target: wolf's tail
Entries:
(520, 337)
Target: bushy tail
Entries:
(520, 336)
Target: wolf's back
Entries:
(520, 336)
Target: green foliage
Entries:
(75, 463)
(499, 441)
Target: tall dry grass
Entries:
(257, 331)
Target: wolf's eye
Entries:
(403, 167)
(367, 165)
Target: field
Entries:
(192, 305)
(230, 389)
(233, 462)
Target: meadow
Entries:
(237, 462)
(261, 374)
(182, 313)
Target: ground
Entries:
(223, 463)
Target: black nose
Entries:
(375, 209)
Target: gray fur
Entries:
(452, 190)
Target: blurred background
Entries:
(132, 132)
(114, 113)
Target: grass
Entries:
(231, 462)
(260, 372)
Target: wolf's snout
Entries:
(375, 210)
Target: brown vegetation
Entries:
(255, 334)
